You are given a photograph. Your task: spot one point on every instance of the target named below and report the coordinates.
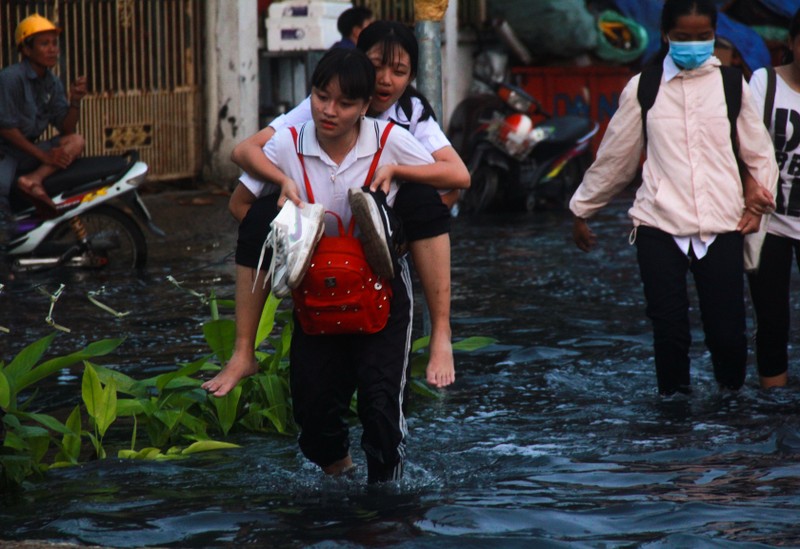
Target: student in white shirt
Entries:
(393, 50)
(770, 283)
(689, 212)
(338, 146)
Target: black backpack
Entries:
(650, 80)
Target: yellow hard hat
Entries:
(33, 24)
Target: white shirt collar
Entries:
(671, 70)
(367, 144)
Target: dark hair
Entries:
(675, 9)
(391, 36)
(352, 18)
(353, 69)
(794, 25)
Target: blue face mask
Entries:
(690, 55)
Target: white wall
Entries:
(231, 52)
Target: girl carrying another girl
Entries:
(327, 369)
(393, 51)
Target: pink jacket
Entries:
(690, 179)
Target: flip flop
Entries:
(37, 196)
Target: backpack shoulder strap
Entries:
(732, 85)
(769, 98)
(377, 156)
(646, 93)
(309, 192)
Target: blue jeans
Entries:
(719, 279)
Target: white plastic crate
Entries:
(292, 33)
(307, 9)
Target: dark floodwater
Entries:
(554, 437)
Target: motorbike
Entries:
(518, 154)
(95, 224)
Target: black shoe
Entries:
(379, 229)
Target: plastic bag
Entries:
(619, 39)
(559, 28)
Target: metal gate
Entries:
(142, 61)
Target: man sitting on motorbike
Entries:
(31, 98)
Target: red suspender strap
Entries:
(309, 192)
(377, 156)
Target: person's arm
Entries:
(55, 157)
(756, 153)
(447, 172)
(77, 91)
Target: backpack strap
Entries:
(377, 156)
(649, 82)
(309, 192)
(769, 98)
(732, 85)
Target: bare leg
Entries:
(339, 467)
(779, 380)
(31, 184)
(249, 306)
(432, 262)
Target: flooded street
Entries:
(552, 437)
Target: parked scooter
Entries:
(514, 162)
(91, 230)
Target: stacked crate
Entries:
(303, 24)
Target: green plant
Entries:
(177, 417)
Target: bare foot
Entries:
(34, 191)
(232, 373)
(341, 467)
(441, 370)
(779, 380)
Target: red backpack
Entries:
(340, 293)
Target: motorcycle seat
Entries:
(567, 129)
(84, 173)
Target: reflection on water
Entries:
(554, 437)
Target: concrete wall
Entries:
(231, 83)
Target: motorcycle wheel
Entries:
(482, 193)
(563, 186)
(115, 241)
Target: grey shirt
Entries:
(30, 103)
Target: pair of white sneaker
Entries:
(295, 233)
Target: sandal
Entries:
(37, 196)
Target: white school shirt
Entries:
(329, 181)
(786, 112)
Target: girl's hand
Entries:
(583, 236)
(750, 223)
(382, 179)
(758, 200)
(289, 192)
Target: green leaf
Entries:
(71, 443)
(109, 409)
(419, 365)
(92, 392)
(276, 415)
(473, 343)
(125, 383)
(99, 348)
(196, 425)
(267, 321)
(220, 336)
(422, 388)
(38, 447)
(12, 440)
(227, 408)
(131, 406)
(27, 358)
(187, 370)
(420, 343)
(48, 421)
(5, 392)
(208, 445)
